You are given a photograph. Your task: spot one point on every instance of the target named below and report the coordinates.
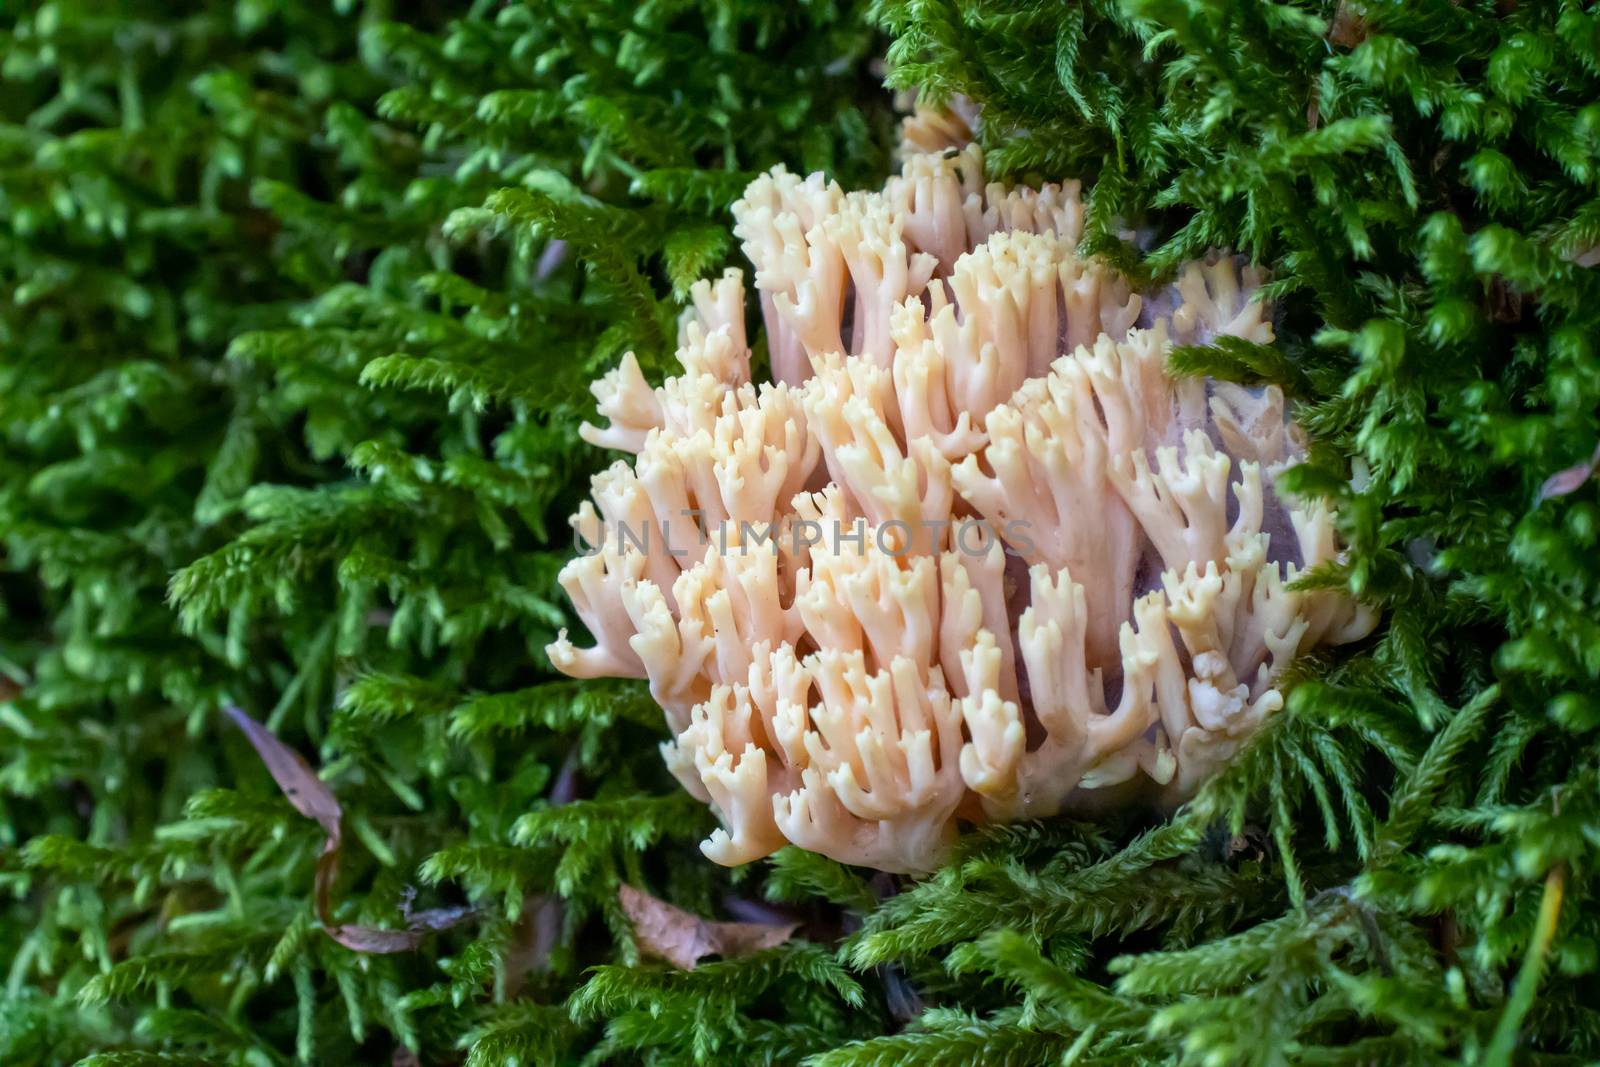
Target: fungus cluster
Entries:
(971, 551)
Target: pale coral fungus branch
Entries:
(973, 552)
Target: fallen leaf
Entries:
(682, 938)
(1570, 480)
(309, 794)
(373, 940)
(431, 918)
(900, 996)
(538, 930)
(1502, 302)
(1567, 481)
(1348, 28)
(550, 260)
(535, 936)
(1583, 255)
(312, 798)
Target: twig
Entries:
(1504, 1042)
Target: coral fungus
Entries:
(971, 550)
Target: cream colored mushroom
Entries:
(973, 554)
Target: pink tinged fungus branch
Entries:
(973, 554)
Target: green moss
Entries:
(299, 308)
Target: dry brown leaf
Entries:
(1583, 255)
(431, 918)
(1348, 28)
(538, 932)
(312, 798)
(536, 935)
(1570, 480)
(309, 794)
(682, 938)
